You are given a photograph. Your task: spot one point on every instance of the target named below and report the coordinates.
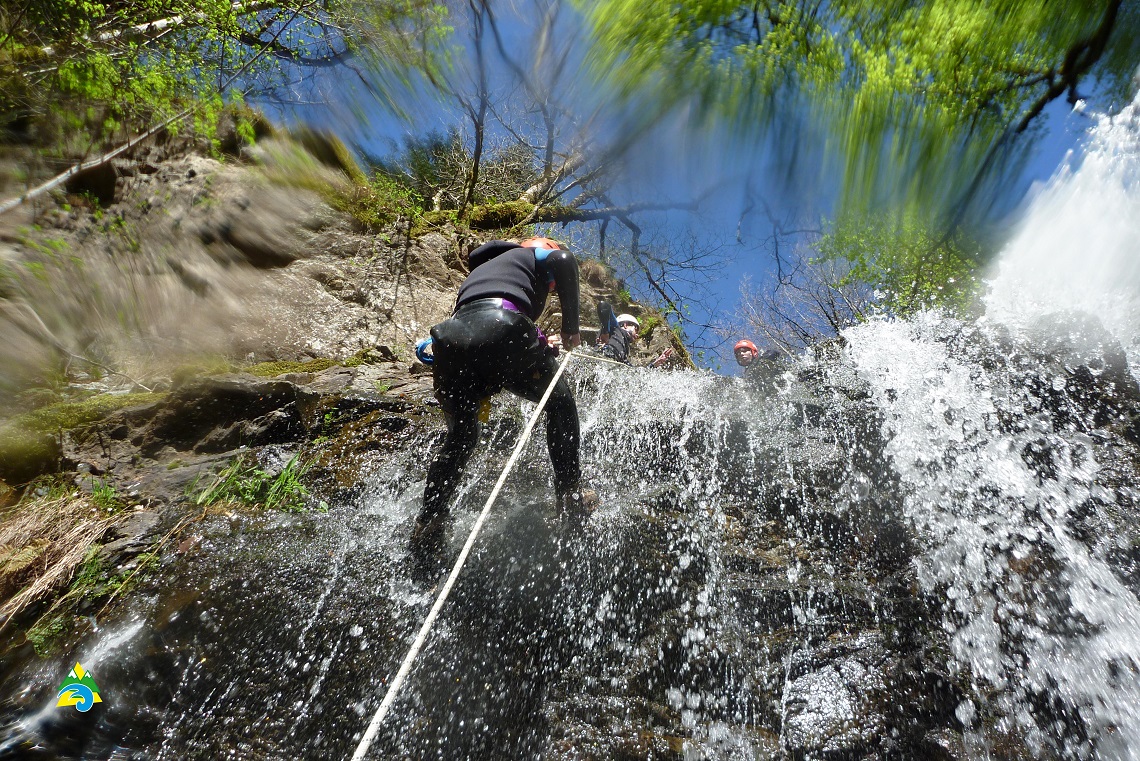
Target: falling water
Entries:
(1006, 467)
(1076, 249)
(921, 545)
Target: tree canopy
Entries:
(922, 100)
(94, 69)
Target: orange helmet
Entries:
(546, 243)
(744, 343)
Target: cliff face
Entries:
(177, 313)
(188, 256)
(200, 257)
(793, 572)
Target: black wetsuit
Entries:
(764, 369)
(618, 345)
(487, 346)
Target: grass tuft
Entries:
(243, 482)
(47, 541)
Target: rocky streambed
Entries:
(773, 573)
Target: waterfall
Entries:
(919, 542)
(1008, 474)
(1077, 248)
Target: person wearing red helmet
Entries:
(761, 368)
(745, 352)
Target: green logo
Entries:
(79, 690)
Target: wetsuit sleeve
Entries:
(564, 268)
(606, 318)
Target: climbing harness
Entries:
(421, 638)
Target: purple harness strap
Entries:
(508, 304)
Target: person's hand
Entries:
(663, 358)
(554, 343)
(571, 340)
(603, 338)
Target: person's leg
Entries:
(447, 466)
(562, 438)
(536, 370)
(458, 396)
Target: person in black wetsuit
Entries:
(761, 368)
(490, 343)
(616, 334)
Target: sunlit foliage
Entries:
(909, 265)
(76, 75)
(921, 99)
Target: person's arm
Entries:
(564, 267)
(663, 358)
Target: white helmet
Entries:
(624, 318)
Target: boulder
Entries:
(225, 412)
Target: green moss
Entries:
(21, 450)
(273, 369)
(497, 216)
(46, 633)
(362, 357)
(93, 581)
(201, 368)
(328, 149)
(649, 324)
(433, 220)
(29, 443)
(376, 202)
(67, 415)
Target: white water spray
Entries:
(1078, 246)
(1049, 632)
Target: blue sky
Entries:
(672, 161)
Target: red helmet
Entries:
(744, 343)
(546, 243)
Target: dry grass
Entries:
(42, 543)
(595, 273)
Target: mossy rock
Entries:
(273, 369)
(330, 151)
(203, 368)
(29, 446)
(25, 454)
(63, 416)
(430, 221)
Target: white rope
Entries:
(596, 358)
(421, 638)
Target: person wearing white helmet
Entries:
(616, 334)
(630, 323)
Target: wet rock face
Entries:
(757, 583)
(787, 626)
(220, 414)
(1017, 471)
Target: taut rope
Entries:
(421, 638)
